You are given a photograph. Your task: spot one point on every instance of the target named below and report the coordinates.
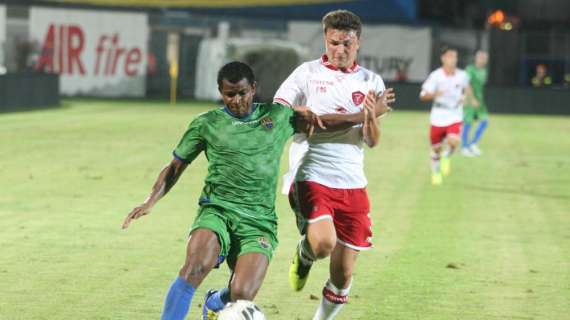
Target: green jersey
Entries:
(243, 157)
(477, 80)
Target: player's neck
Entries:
(449, 71)
(245, 116)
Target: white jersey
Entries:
(333, 159)
(446, 109)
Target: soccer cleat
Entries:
(467, 152)
(475, 150)
(298, 272)
(445, 165)
(436, 178)
(208, 314)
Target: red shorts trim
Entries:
(348, 209)
(438, 134)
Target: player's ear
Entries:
(254, 87)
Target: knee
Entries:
(242, 291)
(454, 143)
(324, 246)
(195, 271)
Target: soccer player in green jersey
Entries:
(236, 220)
(477, 77)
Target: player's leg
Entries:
(311, 203)
(468, 117)
(453, 141)
(437, 134)
(202, 252)
(250, 270)
(209, 240)
(336, 289)
(482, 125)
(252, 246)
(353, 226)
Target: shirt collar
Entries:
(325, 62)
(245, 117)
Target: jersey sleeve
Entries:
(429, 86)
(378, 85)
(292, 90)
(191, 143)
(288, 120)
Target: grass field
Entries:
(493, 242)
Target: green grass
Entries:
(69, 176)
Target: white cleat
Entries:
(467, 152)
(475, 150)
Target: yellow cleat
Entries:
(211, 315)
(445, 165)
(298, 272)
(436, 178)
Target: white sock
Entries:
(332, 301)
(434, 162)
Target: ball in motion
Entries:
(241, 310)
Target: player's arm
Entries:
(429, 90)
(370, 127)
(165, 181)
(471, 96)
(308, 122)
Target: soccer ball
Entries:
(241, 310)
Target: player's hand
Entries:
(308, 119)
(137, 212)
(381, 102)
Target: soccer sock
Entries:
(306, 254)
(178, 300)
(480, 129)
(434, 162)
(218, 300)
(332, 301)
(465, 134)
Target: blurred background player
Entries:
(329, 194)
(448, 87)
(477, 73)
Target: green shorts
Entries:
(471, 114)
(237, 234)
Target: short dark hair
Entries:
(234, 72)
(443, 50)
(342, 20)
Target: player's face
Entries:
(481, 59)
(238, 97)
(449, 59)
(342, 47)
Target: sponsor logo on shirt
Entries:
(358, 97)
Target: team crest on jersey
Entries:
(358, 97)
(267, 122)
(264, 243)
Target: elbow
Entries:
(371, 143)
